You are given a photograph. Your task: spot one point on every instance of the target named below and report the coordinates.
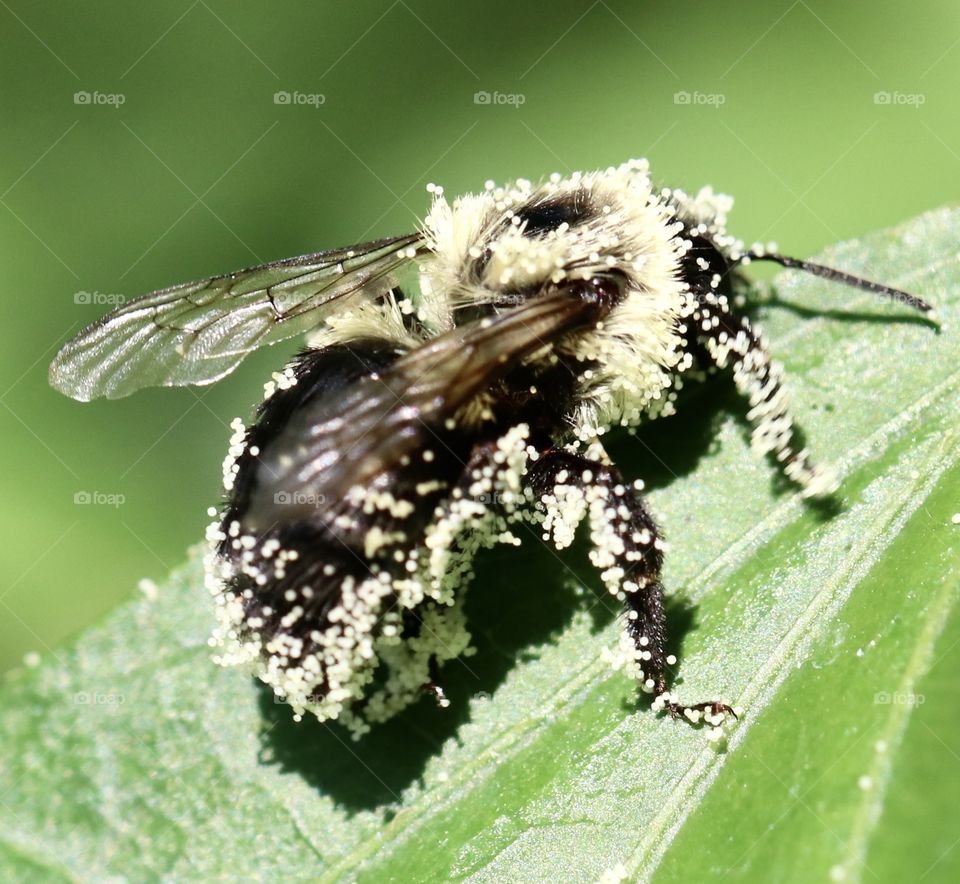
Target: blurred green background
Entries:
(175, 161)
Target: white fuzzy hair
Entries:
(479, 252)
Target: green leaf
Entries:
(131, 754)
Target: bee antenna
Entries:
(845, 278)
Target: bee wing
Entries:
(380, 418)
(198, 332)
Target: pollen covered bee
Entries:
(457, 381)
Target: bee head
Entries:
(511, 243)
(605, 234)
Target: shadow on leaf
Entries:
(507, 626)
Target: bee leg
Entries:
(434, 630)
(412, 627)
(730, 340)
(629, 553)
(433, 687)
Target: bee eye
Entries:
(605, 291)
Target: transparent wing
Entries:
(374, 422)
(198, 332)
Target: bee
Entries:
(457, 382)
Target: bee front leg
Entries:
(628, 551)
(730, 340)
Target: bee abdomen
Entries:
(309, 586)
